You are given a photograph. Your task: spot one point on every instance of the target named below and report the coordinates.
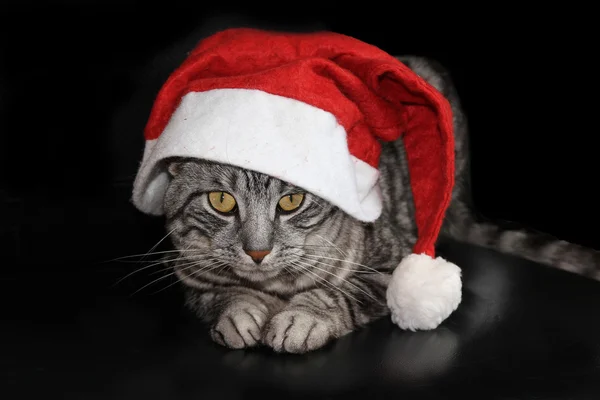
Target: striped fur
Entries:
(327, 273)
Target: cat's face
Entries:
(256, 226)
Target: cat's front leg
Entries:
(315, 317)
(240, 324)
(236, 319)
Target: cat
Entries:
(267, 263)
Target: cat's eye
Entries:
(290, 202)
(222, 201)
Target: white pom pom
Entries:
(423, 292)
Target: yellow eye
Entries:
(221, 201)
(291, 202)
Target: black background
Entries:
(77, 80)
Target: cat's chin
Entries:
(256, 275)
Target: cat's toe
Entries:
(296, 331)
(239, 328)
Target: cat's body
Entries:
(326, 273)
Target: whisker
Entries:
(154, 281)
(339, 267)
(344, 280)
(316, 202)
(161, 270)
(166, 287)
(354, 271)
(319, 281)
(202, 270)
(193, 258)
(209, 268)
(159, 242)
(346, 261)
(333, 244)
(152, 254)
(157, 280)
(334, 259)
(329, 265)
(221, 270)
(212, 261)
(177, 281)
(310, 245)
(162, 261)
(326, 281)
(137, 271)
(292, 272)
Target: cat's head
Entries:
(257, 226)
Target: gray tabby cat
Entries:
(267, 263)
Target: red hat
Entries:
(310, 109)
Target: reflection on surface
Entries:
(416, 357)
(486, 295)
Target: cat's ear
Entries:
(174, 167)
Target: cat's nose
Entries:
(257, 255)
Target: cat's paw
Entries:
(296, 331)
(240, 326)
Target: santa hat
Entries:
(312, 109)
